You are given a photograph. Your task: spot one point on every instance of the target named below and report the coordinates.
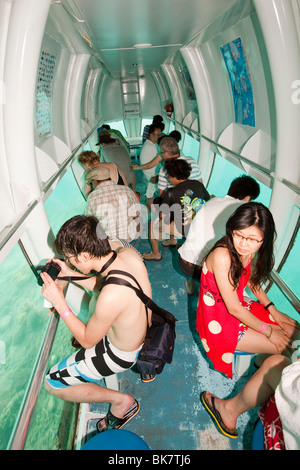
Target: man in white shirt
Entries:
(208, 226)
(148, 153)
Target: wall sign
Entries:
(44, 92)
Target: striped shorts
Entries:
(91, 365)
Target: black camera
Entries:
(51, 268)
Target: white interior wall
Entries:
(7, 204)
(25, 33)
(280, 33)
(110, 100)
(149, 96)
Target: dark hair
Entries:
(176, 135)
(82, 234)
(106, 138)
(158, 125)
(152, 128)
(244, 186)
(248, 215)
(157, 119)
(178, 168)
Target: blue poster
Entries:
(241, 86)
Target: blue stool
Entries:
(242, 361)
(258, 436)
(116, 439)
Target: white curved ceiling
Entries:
(113, 27)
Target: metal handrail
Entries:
(291, 297)
(225, 149)
(5, 237)
(56, 175)
(290, 185)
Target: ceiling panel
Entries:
(114, 28)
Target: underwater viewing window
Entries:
(23, 321)
(225, 174)
(68, 198)
(118, 126)
(191, 147)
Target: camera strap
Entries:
(82, 278)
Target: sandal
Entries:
(167, 243)
(151, 256)
(75, 343)
(112, 422)
(217, 418)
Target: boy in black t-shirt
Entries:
(178, 207)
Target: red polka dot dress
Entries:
(220, 331)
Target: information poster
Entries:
(44, 93)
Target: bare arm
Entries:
(149, 165)
(100, 322)
(284, 321)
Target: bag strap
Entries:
(81, 278)
(148, 302)
(122, 282)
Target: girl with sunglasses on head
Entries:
(225, 320)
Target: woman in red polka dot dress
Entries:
(225, 321)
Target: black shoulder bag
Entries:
(160, 337)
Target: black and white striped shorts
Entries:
(91, 365)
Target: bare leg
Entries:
(133, 183)
(154, 236)
(93, 393)
(153, 240)
(256, 343)
(255, 393)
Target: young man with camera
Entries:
(114, 335)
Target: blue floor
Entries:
(171, 416)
